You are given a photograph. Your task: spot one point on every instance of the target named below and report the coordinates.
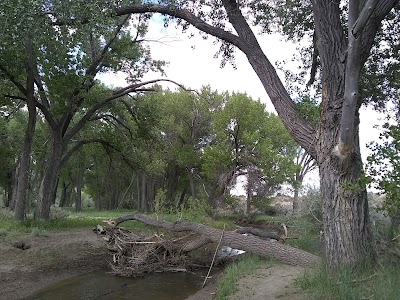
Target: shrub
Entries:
(57, 213)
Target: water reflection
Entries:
(102, 286)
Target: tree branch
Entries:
(363, 18)
(44, 107)
(12, 78)
(115, 95)
(112, 117)
(78, 145)
(351, 93)
(301, 130)
(184, 15)
(92, 70)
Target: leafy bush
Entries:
(196, 209)
(263, 205)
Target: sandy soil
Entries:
(48, 259)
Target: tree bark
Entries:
(63, 196)
(48, 184)
(252, 244)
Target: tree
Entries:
(343, 49)
(246, 140)
(64, 51)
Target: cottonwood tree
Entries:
(344, 35)
(246, 140)
(63, 50)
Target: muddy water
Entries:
(102, 286)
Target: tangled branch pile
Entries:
(134, 256)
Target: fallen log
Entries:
(252, 244)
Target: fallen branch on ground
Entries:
(265, 248)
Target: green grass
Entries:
(227, 284)
(67, 218)
(376, 283)
(63, 219)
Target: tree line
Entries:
(50, 61)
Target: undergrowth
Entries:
(381, 282)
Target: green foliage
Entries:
(263, 205)
(383, 168)
(196, 210)
(227, 284)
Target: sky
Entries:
(192, 63)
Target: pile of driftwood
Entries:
(134, 255)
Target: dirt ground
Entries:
(53, 257)
(48, 259)
(272, 282)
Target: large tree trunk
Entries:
(347, 233)
(250, 243)
(48, 185)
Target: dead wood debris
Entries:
(135, 256)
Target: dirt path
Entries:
(272, 282)
(48, 259)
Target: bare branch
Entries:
(364, 16)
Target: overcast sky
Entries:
(192, 64)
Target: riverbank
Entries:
(30, 262)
